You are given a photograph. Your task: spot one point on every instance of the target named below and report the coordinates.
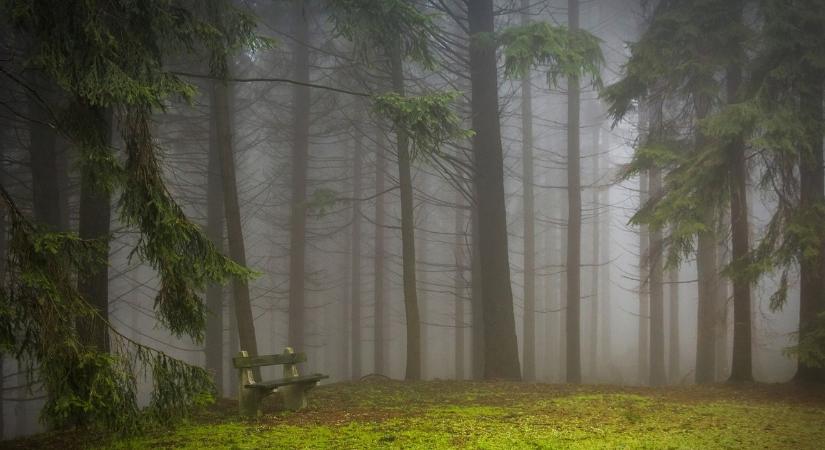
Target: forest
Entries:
(412, 224)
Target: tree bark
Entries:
(529, 317)
(657, 317)
(595, 294)
(501, 345)
(413, 365)
(708, 280)
(574, 215)
(644, 289)
(459, 286)
(232, 209)
(95, 215)
(215, 231)
(673, 326)
(476, 298)
(300, 156)
(380, 297)
(812, 268)
(355, 261)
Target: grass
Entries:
(502, 415)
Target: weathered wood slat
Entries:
(272, 384)
(268, 360)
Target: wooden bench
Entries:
(293, 387)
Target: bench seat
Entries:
(275, 384)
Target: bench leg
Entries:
(295, 396)
(249, 401)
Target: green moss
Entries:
(501, 415)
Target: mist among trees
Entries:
(445, 214)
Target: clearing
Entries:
(500, 415)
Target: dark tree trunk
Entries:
(673, 325)
(644, 289)
(657, 316)
(355, 259)
(95, 215)
(380, 296)
(413, 366)
(595, 293)
(215, 231)
(459, 286)
(300, 155)
(574, 216)
(812, 268)
(501, 346)
(708, 281)
(232, 209)
(529, 352)
(477, 300)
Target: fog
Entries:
(318, 197)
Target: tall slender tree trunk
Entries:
(673, 353)
(644, 289)
(413, 365)
(574, 215)
(595, 293)
(459, 287)
(300, 156)
(476, 298)
(529, 324)
(501, 345)
(3, 253)
(215, 227)
(708, 280)
(95, 213)
(657, 316)
(812, 268)
(232, 209)
(379, 294)
(355, 261)
(605, 337)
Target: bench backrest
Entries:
(248, 362)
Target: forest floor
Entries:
(500, 415)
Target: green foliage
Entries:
(321, 201)
(565, 53)
(811, 345)
(39, 312)
(112, 52)
(177, 249)
(687, 44)
(428, 120)
(384, 24)
(111, 56)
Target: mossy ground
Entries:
(503, 415)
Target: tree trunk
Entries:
(673, 326)
(593, 350)
(476, 298)
(380, 297)
(459, 286)
(300, 156)
(355, 261)
(708, 281)
(657, 317)
(529, 324)
(574, 215)
(413, 366)
(232, 209)
(95, 213)
(811, 267)
(644, 289)
(215, 231)
(501, 345)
